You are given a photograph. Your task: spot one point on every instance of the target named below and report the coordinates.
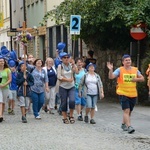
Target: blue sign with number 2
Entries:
(75, 21)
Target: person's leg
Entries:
(83, 103)
(9, 105)
(88, 108)
(126, 109)
(126, 117)
(40, 101)
(88, 104)
(35, 98)
(52, 100)
(63, 97)
(22, 108)
(71, 98)
(78, 103)
(1, 105)
(5, 94)
(94, 102)
(46, 101)
(9, 101)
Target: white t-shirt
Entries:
(91, 83)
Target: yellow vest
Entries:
(125, 86)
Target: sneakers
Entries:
(86, 119)
(130, 130)
(1, 119)
(9, 110)
(24, 120)
(51, 112)
(55, 107)
(92, 121)
(80, 118)
(12, 112)
(38, 117)
(124, 127)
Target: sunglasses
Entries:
(66, 57)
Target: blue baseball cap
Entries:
(90, 64)
(61, 46)
(12, 63)
(63, 54)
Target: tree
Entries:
(105, 24)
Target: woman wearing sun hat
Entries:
(92, 87)
(66, 86)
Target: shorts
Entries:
(79, 100)
(3, 95)
(91, 101)
(127, 102)
(24, 101)
(13, 95)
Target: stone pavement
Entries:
(51, 134)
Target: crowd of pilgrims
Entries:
(63, 84)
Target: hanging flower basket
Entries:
(24, 37)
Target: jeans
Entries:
(37, 102)
(91, 101)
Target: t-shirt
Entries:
(78, 77)
(13, 85)
(91, 82)
(117, 72)
(5, 75)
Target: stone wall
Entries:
(102, 58)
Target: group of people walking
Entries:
(74, 82)
(34, 82)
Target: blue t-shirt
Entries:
(117, 72)
(78, 77)
(13, 85)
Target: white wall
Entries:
(50, 6)
(4, 39)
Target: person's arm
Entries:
(139, 77)
(60, 77)
(46, 82)
(111, 74)
(30, 80)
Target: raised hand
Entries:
(110, 66)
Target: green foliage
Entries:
(105, 23)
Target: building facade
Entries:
(45, 38)
(4, 9)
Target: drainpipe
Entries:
(10, 5)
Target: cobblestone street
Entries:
(52, 133)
